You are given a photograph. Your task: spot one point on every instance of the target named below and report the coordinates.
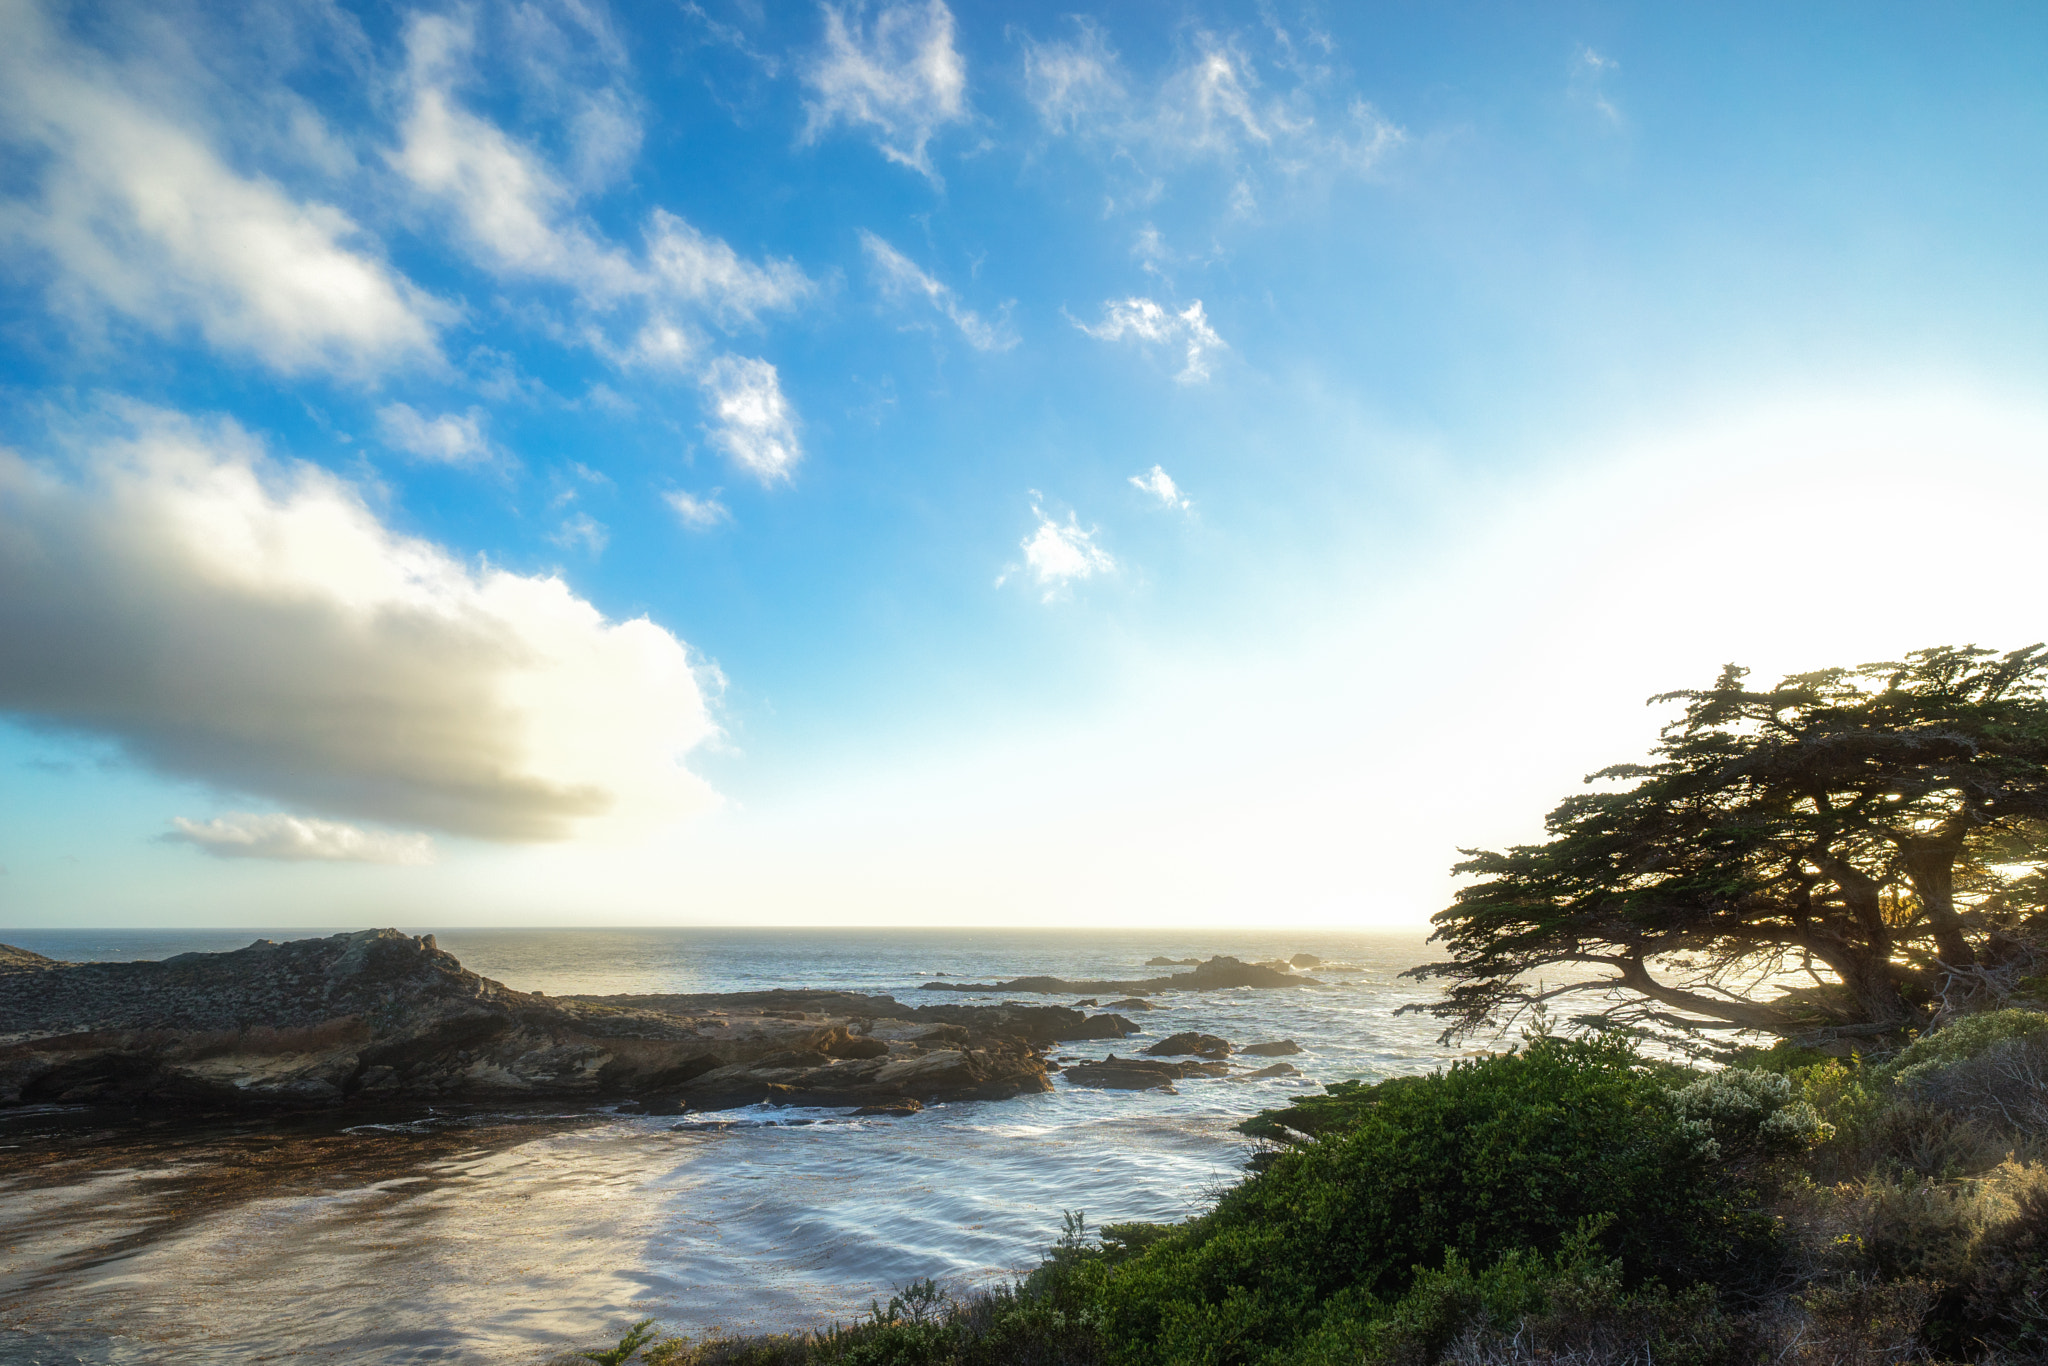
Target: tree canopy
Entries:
(1855, 852)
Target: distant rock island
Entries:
(383, 1016)
(1216, 974)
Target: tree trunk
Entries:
(1931, 864)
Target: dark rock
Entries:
(1171, 962)
(1217, 974)
(1201, 1045)
(1132, 1003)
(382, 1016)
(895, 1110)
(1278, 1069)
(1138, 1074)
(1281, 1049)
(1083, 1005)
(1306, 960)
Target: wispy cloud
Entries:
(1211, 105)
(451, 438)
(893, 70)
(1072, 82)
(698, 514)
(299, 839)
(1588, 83)
(141, 216)
(512, 208)
(1059, 554)
(1160, 485)
(900, 278)
(695, 268)
(1147, 321)
(253, 625)
(754, 423)
(582, 529)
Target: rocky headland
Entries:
(383, 1016)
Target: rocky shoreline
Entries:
(381, 1016)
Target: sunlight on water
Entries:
(510, 1237)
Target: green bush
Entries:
(1494, 1156)
(1749, 1115)
(1962, 1039)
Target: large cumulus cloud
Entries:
(254, 625)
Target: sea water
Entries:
(489, 1235)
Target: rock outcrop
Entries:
(1200, 1045)
(1139, 1074)
(380, 1015)
(1217, 974)
(1280, 1048)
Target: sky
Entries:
(530, 462)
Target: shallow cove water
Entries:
(508, 1236)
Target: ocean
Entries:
(510, 1236)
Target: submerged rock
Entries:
(382, 1016)
(1278, 1069)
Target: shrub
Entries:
(1493, 1156)
(1749, 1114)
(1962, 1039)
(2004, 1087)
(1527, 1308)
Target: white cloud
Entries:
(1210, 106)
(1057, 554)
(1160, 485)
(519, 214)
(252, 625)
(697, 269)
(1589, 82)
(141, 216)
(1073, 83)
(512, 206)
(582, 529)
(898, 74)
(520, 218)
(1149, 322)
(299, 839)
(755, 424)
(698, 514)
(900, 277)
(451, 438)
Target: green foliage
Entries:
(1961, 1040)
(638, 1336)
(1783, 1056)
(1496, 1155)
(1339, 1108)
(1746, 1115)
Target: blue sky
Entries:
(542, 463)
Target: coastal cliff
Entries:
(383, 1016)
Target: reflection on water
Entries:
(507, 1237)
